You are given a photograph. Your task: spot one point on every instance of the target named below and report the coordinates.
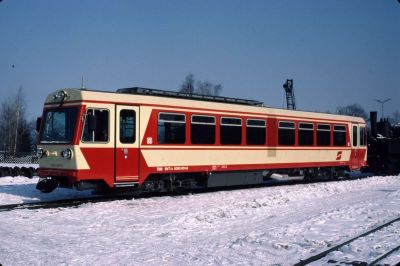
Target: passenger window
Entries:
(306, 134)
(362, 136)
(255, 132)
(323, 135)
(171, 128)
(100, 126)
(231, 131)
(286, 133)
(202, 129)
(355, 138)
(339, 135)
(127, 126)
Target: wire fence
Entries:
(18, 158)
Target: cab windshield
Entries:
(58, 125)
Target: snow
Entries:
(19, 165)
(270, 225)
(20, 189)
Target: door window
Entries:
(355, 137)
(127, 126)
(362, 136)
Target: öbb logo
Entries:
(339, 155)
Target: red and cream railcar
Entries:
(160, 140)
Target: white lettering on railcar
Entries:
(149, 140)
(181, 168)
(173, 168)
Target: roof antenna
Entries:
(83, 83)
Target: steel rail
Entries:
(143, 194)
(72, 202)
(383, 256)
(326, 252)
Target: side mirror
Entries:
(91, 120)
(38, 123)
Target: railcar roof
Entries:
(79, 95)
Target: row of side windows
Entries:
(287, 131)
(171, 130)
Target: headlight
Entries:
(67, 154)
(60, 95)
(39, 153)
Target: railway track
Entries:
(73, 202)
(318, 258)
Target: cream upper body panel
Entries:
(78, 95)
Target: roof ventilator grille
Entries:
(193, 96)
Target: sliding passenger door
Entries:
(126, 144)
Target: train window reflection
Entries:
(127, 126)
(59, 125)
(171, 128)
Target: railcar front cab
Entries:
(86, 145)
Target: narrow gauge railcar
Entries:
(156, 140)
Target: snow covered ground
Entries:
(258, 226)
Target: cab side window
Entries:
(96, 127)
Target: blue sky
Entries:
(338, 52)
